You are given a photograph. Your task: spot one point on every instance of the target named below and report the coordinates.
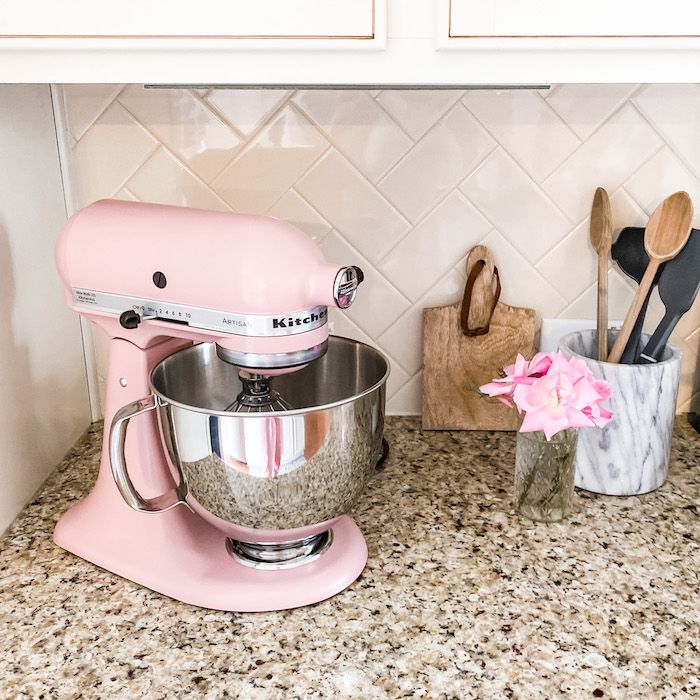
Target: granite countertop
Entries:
(461, 598)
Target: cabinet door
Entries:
(242, 19)
(570, 18)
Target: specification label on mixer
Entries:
(206, 319)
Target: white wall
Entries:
(404, 183)
(43, 392)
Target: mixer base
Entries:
(179, 555)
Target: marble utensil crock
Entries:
(631, 454)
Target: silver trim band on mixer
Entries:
(280, 360)
(260, 325)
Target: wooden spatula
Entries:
(666, 234)
(601, 240)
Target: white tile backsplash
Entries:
(83, 104)
(163, 179)
(671, 109)
(353, 206)
(431, 169)
(608, 158)
(584, 107)
(294, 208)
(445, 235)
(109, 153)
(246, 110)
(515, 205)
(358, 126)
(277, 156)
(571, 280)
(404, 182)
(664, 172)
(526, 126)
(173, 117)
(417, 111)
(380, 304)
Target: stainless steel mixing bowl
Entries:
(264, 477)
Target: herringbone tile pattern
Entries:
(403, 183)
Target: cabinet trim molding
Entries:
(449, 36)
(376, 34)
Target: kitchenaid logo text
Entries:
(291, 321)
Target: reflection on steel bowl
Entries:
(253, 473)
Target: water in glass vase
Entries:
(544, 474)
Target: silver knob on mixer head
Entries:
(345, 285)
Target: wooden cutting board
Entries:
(455, 364)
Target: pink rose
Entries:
(554, 392)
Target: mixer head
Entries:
(285, 325)
(145, 272)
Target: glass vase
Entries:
(544, 474)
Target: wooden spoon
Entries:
(601, 240)
(666, 234)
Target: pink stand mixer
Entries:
(238, 434)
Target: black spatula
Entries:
(629, 253)
(678, 286)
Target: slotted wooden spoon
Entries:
(666, 234)
(601, 240)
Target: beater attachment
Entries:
(257, 395)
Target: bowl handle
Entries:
(117, 458)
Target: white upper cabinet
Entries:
(237, 19)
(349, 42)
(599, 19)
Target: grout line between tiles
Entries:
(614, 111)
(420, 303)
(620, 188)
(372, 186)
(343, 150)
(129, 192)
(615, 108)
(202, 100)
(628, 193)
(374, 268)
(432, 125)
(523, 167)
(533, 269)
(560, 242)
(176, 156)
(577, 299)
(95, 120)
(294, 190)
(394, 121)
(149, 155)
(583, 143)
(669, 144)
(538, 185)
(316, 160)
(432, 210)
(247, 140)
(181, 163)
(506, 238)
(447, 113)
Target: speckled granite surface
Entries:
(460, 598)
